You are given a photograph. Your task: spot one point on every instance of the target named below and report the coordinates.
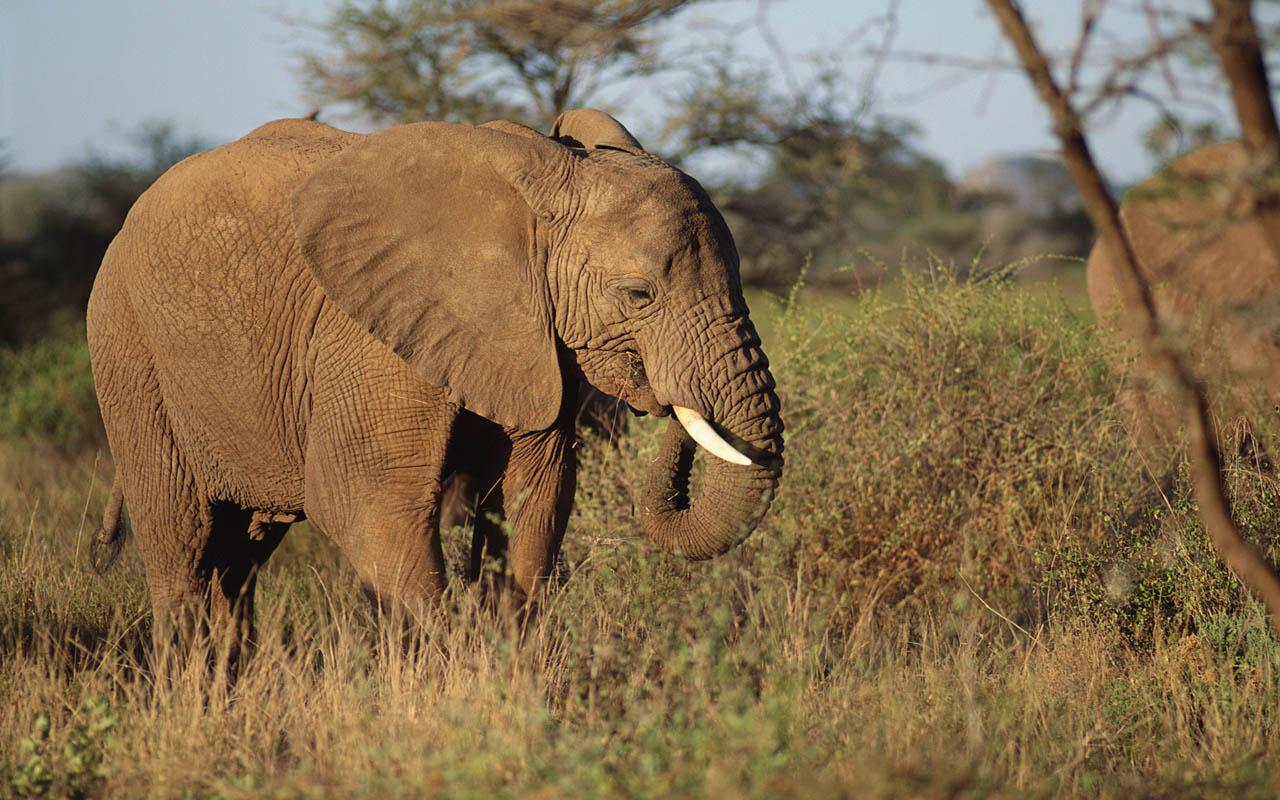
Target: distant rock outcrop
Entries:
(1027, 207)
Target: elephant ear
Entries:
(593, 130)
(423, 234)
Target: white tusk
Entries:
(705, 435)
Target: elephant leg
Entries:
(538, 493)
(172, 530)
(394, 546)
(171, 520)
(373, 484)
(391, 536)
(477, 457)
(201, 568)
(468, 502)
(200, 554)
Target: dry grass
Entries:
(967, 587)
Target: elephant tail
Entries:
(107, 543)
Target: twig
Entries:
(761, 22)
(1153, 25)
(878, 58)
(1088, 21)
(1030, 636)
(84, 514)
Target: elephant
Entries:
(303, 323)
(1215, 284)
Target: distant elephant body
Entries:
(300, 323)
(1215, 282)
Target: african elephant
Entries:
(1215, 283)
(294, 324)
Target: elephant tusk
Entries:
(705, 435)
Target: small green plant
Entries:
(75, 770)
(33, 777)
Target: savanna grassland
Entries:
(970, 584)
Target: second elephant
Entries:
(1215, 284)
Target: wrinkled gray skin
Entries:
(293, 324)
(1216, 286)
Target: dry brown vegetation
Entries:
(967, 586)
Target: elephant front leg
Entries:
(538, 493)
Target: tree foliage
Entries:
(396, 61)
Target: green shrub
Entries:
(945, 429)
(1154, 570)
(77, 768)
(46, 391)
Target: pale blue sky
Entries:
(79, 73)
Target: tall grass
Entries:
(968, 586)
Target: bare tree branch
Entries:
(1153, 26)
(878, 57)
(1235, 42)
(762, 25)
(1088, 21)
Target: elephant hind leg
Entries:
(171, 522)
(198, 553)
(202, 569)
(172, 527)
(239, 545)
(201, 555)
(202, 565)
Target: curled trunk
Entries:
(731, 499)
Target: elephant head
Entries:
(499, 264)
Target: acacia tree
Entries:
(1234, 39)
(396, 61)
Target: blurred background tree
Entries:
(56, 226)
(842, 187)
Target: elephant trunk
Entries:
(732, 497)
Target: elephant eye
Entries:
(639, 297)
(636, 295)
